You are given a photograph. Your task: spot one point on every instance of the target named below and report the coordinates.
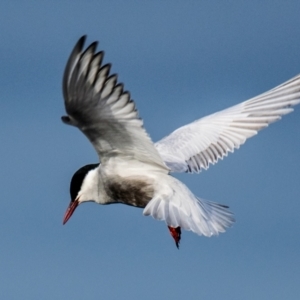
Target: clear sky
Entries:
(180, 60)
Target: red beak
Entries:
(71, 208)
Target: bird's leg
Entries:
(176, 234)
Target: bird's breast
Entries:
(133, 190)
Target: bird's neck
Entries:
(93, 188)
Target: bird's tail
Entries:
(176, 204)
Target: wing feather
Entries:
(195, 146)
(98, 105)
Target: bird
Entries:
(135, 171)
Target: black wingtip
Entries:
(74, 54)
(91, 48)
(66, 119)
(81, 41)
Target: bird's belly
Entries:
(132, 190)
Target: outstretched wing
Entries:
(102, 110)
(195, 146)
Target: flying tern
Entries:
(135, 171)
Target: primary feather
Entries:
(102, 110)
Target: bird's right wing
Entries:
(193, 147)
(102, 110)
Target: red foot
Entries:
(176, 234)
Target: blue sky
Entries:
(181, 60)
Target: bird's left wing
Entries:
(102, 110)
(193, 147)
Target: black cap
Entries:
(78, 178)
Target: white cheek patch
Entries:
(89, 187)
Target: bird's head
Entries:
(83, 188)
